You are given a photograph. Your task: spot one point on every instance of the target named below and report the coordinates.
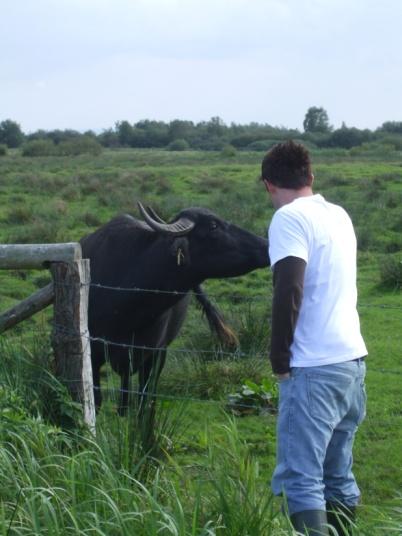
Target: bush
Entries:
(228, 151)
(349, 137)
(178, 145)
(39, 148)
(71, 147)
(79, 145)
(391, 272)
(3, 149)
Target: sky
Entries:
(85, 64)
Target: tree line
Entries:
(205, 135)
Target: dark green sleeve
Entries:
(288, 294)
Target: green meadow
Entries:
(210, 473)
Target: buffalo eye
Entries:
(213, 225)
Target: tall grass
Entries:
(55, 481)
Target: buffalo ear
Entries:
(180, 250)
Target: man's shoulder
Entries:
(310, 208)
(300, 209)
(289, 220)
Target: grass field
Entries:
(215, 468)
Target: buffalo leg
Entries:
(122, 363)
(149, 373)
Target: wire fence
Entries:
(191, 352)
(218, 353)
(268, 411)
(232, 298)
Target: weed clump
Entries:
(20, 214)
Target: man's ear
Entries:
(269, 186)
(311, 179)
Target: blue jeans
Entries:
(320, 409)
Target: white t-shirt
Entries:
(322, 234)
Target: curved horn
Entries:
(154, 215)
(179, 228)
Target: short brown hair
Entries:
(287, 165)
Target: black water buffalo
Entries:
(153, 255)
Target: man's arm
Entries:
(288, 295)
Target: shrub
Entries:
(178, 145)
(228, 151)
(391, 272)
(349, 137)
(39, 148)
(79, 145)
(3, 149)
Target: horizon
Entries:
(98, 132)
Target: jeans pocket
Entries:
(327, 396)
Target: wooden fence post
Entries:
(70, 337)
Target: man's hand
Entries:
(285, 376)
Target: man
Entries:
(317, 351)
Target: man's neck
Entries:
(286, 195)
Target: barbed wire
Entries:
(66, 331)
(268, 410)
(180, 293)
(190, 351)
(190, 291)
(217, 297)
(236, 354)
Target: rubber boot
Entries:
(310, 522)
(341, 517)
